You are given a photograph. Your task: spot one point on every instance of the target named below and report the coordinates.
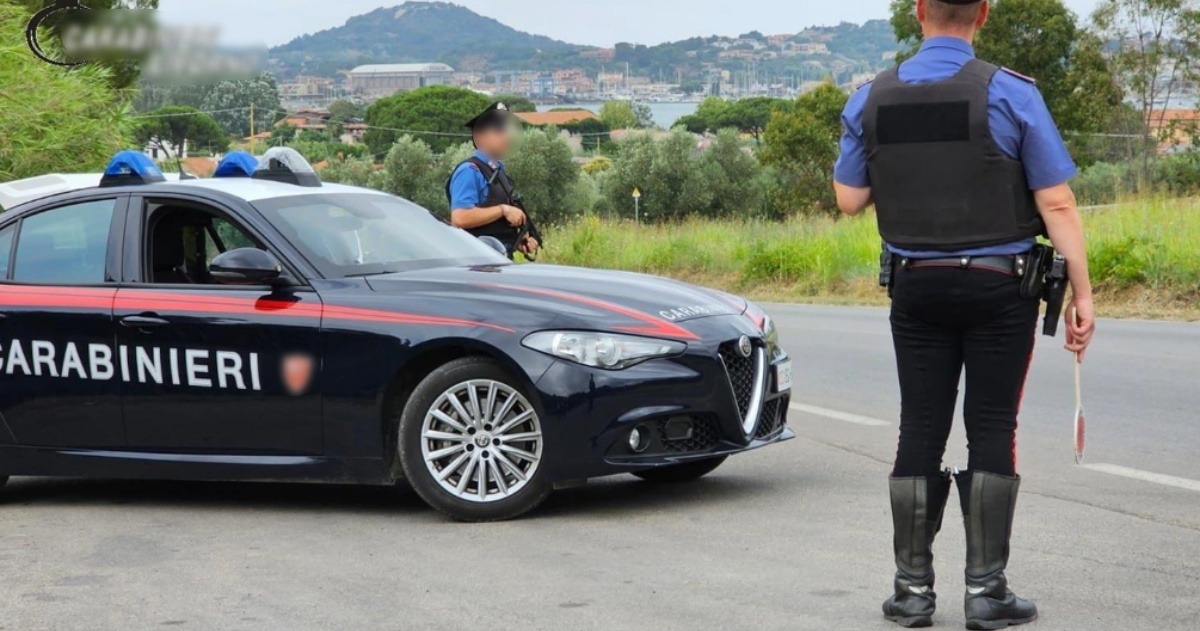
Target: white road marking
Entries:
(1146, 476)
(839, 416)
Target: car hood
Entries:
(536, 296)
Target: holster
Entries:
(1055, 295)
(1046, 279)
(887, 269)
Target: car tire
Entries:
(450, 440)
(678, 473)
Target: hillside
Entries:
(416, 32)
(451, 34)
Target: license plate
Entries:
(783, 377)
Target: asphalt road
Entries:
(794, 537)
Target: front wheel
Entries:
(471, 443)
(685, 472)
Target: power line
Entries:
(196, 113)
(413, 132)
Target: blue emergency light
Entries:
(237, 164)
(130, 168)
(284, 164)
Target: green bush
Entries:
(53, 119)
(1119, 263)
(412, 171)
(352, 171)
(1107, 183)
(546, 176)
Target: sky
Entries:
(591, 22)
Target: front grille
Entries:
(773, 418)
(704, 435)
(741, 375)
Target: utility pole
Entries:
(253, 140)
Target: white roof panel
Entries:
(13, 194)
(254, 190)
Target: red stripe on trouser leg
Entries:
(1021, 398)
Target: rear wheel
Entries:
(685, 472)
(471, 443)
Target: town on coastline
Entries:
(744, 66)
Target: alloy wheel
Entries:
(481, 441)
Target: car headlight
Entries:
(608, 351)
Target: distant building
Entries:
(373, 81)
(306, 119)
(352, 133)
(599, 54)
(161, 149)
(1175, 128)
(573, 81)
(306, 87)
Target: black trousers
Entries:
(945, 319)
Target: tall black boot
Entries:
(988, 503)
(917, 508)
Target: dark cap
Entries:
(496, 115)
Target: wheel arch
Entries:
(425, 359)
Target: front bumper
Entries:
(688, 408)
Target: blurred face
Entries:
(497, 140)
(939, 16)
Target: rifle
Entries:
(528, 229)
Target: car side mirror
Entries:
(246, 266)
(494, 243)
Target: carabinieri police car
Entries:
(263, 326)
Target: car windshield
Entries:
(362, 234)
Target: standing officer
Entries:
(966, 168)
(481, 195)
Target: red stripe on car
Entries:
(656, 326)
(167, 302)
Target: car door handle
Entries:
(143, 322)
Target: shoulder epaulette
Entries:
(1025, 78)
(863, 85)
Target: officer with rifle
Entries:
(965, 168)
(482, 197)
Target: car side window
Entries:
(182, 241)
(225, 236)
(6, 241)
(65, 245)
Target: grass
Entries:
(1144, 255)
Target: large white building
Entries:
(378, 80)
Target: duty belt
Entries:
(1011, 265)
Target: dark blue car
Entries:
(273, 328)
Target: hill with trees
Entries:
(417, 32)
(454, 35)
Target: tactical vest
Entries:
(500, 189)
(938, 178)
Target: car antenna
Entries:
(183, 175)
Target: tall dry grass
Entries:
(1148, 245)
